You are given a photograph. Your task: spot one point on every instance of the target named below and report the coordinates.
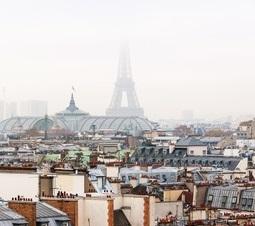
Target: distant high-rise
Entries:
(124, 87)
(33, 108)
(187, 115)
(2, 104)
(11, 109)
(2, 110)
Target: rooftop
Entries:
(72, 109)
(190, 141)
(7, 214)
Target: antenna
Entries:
(46, 127)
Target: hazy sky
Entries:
(185, 54)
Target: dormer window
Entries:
(234, 200)
(210, 198)
(65, 224)
(42, 224)
(16, 224)
(244, 201)
(224, 201)
(249, 203)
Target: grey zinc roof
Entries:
(211, 139)
(120, 219)
(179, 157)
(44, 210)
(190, 141)
(223, 192)
(7, 214)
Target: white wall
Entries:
(241, 143)
(198, 215)
(163, 208)
(243, 164)
(152, 210)
(136, 213)
(95, 212)
(22, 184)
(197, 150)
(70, 183)
(96, 209)
(112, 171)
(134, 208)
(231, 152)
(116, 188)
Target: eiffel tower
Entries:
(124, 86)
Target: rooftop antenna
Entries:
(93, 128)
(46, 127)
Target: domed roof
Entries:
(116, 123)
(73, 119)
(18, 124)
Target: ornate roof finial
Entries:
(72, 107)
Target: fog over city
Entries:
(196, 55)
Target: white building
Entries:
(22, 184)
(193, 146)
(231, 152)
(8, 109)
(249, 143)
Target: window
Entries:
(192, 152)
(224, 200)
(65, 224)
(249, 202)
(234, 200)
(16, 224)
(43, 224)
(244, 201)
(210, 198)
(204, 152)
(164, 179)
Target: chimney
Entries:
(26, 209)
(126, 159)
(46, 186)
(251, 177)
(110, 211)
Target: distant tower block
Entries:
(124, 86)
